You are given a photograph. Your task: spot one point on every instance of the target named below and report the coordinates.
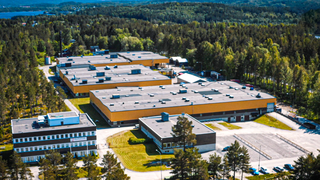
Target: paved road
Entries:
(46, 68)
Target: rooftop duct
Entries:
(164, 116)
(115, 96)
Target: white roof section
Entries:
(179, 59)
(191, 78)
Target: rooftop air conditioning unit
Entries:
(115, 96)
(115, 66)
(209, 98)
(182, 91)
(151, 95)
(137, 102)
(70, 59)
(108, 78)
(84, 81)
(184, 98)
(107, 68)
(111, 104)
(163, 102)
(187, 100)
(231, 96)
(258, 95)
(66, 72)
(101, 80)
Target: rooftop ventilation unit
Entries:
(174, 93)
(139, 56)
(200, 83)
(209, 98)
(115, 66)
(111, 104)
(84, 81)
(108, 78)
(101, 80)
(110, 59)
(195, 91)
(136, 71)
(104, 97)
(230, 87)
(182, 91)
(140, 87)
(184, 98)
(163, 102)
(88, 61)
(115, 96)
(70, 59)
(227, 94)
(258, 95)
(107, 57)
(91, 67)
(187, 100)
(136, 102)
(231, 96)
(99, 74)
(151, 95)
(107, 68)
(244, 87)
(114, 56)
(66, 72)
(164, 116)
(154, 105)
(133, 54)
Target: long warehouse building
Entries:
(223, 100)
(145, 58)
(81, 80)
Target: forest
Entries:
(183, 13)
(282, 59)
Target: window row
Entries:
(55, 146)
(53, 137)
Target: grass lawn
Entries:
(266, 176)
(213, 127)
(84, 106)
(138, 156)
(229, 126)
(272, 122)
(8, 147)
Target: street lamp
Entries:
(160, 162)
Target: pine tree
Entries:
(3, 169)
(70, 167)
(89, 164)
(214, 165)
(112, 168)
(182, 132)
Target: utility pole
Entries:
(160, 162)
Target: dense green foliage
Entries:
(183, 13)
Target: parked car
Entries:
(264, 170)
(289, 167)
(253, 171)
(226, 148)
(249, 85)
(278, 169)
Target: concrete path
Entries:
(46, 68)
(71, 106)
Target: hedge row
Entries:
(134, 140)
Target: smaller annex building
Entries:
(146, 58)
(158, 128)
(81, 80)
(62, 131)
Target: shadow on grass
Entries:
(149, 146)
(88, 108)
(138, 134)
(157, 162)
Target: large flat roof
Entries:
(141, 55)
(121, 74)
(20, 126)
(98, 59)
(164, 128)
(151, 97)
(123, 57)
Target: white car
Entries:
(264, 170)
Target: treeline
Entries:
(56, 166)
(280, 58)
(183, 13)
(25, 91)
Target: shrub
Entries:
(134, 140)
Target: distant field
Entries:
(213, 127)
(272, 122)
(229, 126)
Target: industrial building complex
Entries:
(63, 131)
(81, 80)
(223, 100)
(159, 129)
(145, 58)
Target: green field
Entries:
(229, 126)
(272, 122)
(136, 157)
(213, 127)
(84, 106)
